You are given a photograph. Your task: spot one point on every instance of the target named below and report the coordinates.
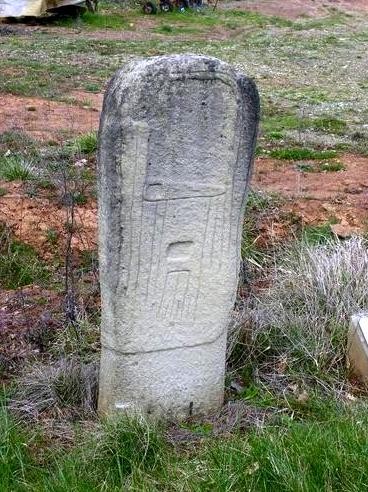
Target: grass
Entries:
(15, 167)
(259, 203)
(15, 458)
(295, 457)
(321, 167)
(328, 453)
(300, 324)
(275, 126)
(67, 387)
(97, 20)
(19, 263)
(86, 144)
(297, 154)
(318, 234)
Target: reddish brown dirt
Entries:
(47, 120)
(293, 9)
(32, 219)
(318, 197)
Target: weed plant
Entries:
(297, 329)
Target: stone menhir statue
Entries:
(177, 139)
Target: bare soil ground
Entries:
(47, 120)
(293, 9)
(316, 198)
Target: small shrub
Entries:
(331, 166)
(18, 141)
(165, 29)
(52, 236)
(90, 87)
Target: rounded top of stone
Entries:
(178, 64)
(151, 70)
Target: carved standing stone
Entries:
(177, 139)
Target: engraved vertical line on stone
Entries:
(223, 200)
(156, 250)
(199, 286)
(140, 239)
(132, 195)
(159, 311)
(181, 298)
(151, 253)
(161, 241)
(212, 245)
(174, 294)
(216, 246)
(185, 295)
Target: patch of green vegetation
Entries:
(300, 153)
(331, 166)
(198, 428)
(281, 122)
(335, 19)
(306, 95)
(321, 167)
(86, 144)
(328, 453)
(91, 87)
(3, 191)
(330, 125)
(275, 125)
(15, 141)
(19, 263)
(97, 20)
(164, 28)
(295, 456)
(257, 19)
(15, 456)
(52, 236)
(15, 167)
(258, 203)
(80, 198)
(318, 234)
(177, 29)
